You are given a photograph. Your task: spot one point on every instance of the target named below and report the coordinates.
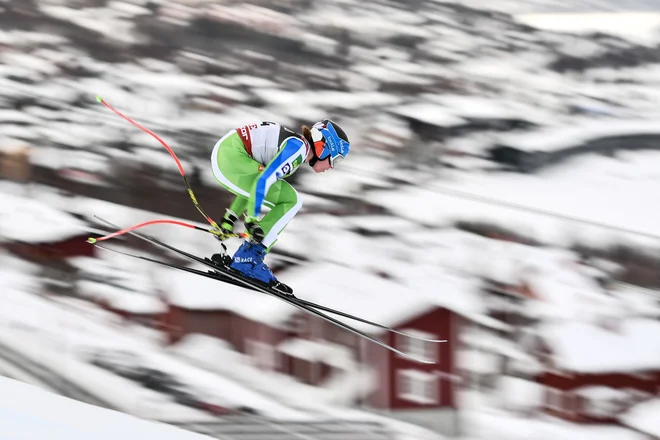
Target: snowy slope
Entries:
(31, 413)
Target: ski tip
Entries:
(99, 99)
(91, 240)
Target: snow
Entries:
(60, 336)
(475, 361)
(380, 223)
(57, 158)
(120, 299)
(475, 107)
(498, 424)
(128, 9)
(558, 138)
(253, 81)
(584, 348)
(31, 62)
(354, 291)
(158, 158)
(29, 412)
(22, 219)
(12, 371)
(13, 146)
(601, 393)
(350, 381)
(14, 116)
(518, 393)
(199, 293)
(430, 113)
(638, 301)
(326, 99)
(385, 75)
(637, 27)
(644, 417)
(565, 292)
(536, 205)
(101, 20)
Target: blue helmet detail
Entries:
(335, 143)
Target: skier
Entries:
(251, 162)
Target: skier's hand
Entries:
(254, 229)
(227, 224)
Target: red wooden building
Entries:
(281, 338)
(36, 231)
(592, 373)
(253, 323)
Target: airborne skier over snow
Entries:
(251, 162)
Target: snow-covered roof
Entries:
(371, 296)
(638, 301)
(380, 223)
(105, 21)
(477, 107)
(200, 293)
(120, 298)
(11, 146)
(586, 348)
(30, 221)
(433, 114)
(558, 138)
(638, 27)
(531, 201)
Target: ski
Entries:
(218, 277)
(233, 278)
(225, 273)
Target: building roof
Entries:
(31, 221)
(550, 139)
(386, 301)
(195, 292)
(587, 348)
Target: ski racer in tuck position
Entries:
(251, 162)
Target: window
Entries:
(417, 386)
(263, 355)
(416, 347)
(555, 400)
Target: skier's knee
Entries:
(296, 203)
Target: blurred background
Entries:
(501, 194)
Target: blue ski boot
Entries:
(249, 261)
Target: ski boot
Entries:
(249, 262)
(226, 227)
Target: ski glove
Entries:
(254, 229)
(227, 224)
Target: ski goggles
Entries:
(331, 147)
(336, 160)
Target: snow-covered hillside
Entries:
(30, 412)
